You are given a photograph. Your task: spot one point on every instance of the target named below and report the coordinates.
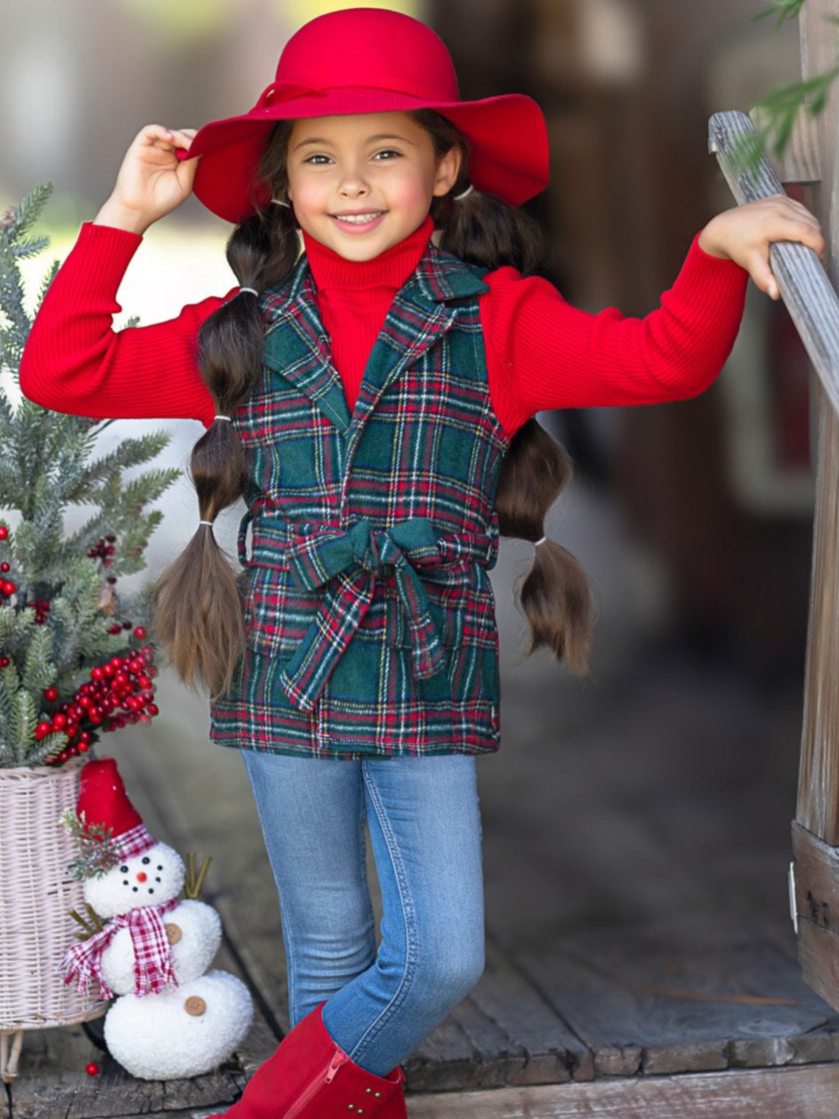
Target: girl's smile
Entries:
(362, 183)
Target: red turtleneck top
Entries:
(541, 352)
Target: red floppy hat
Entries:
(370, 60)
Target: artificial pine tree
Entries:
(71, 663)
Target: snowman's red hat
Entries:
(104, 801)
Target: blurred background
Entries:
(693, 519)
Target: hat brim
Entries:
(507, 137)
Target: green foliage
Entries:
(783, 10)
(97, 852)
(55, 626)
(775, 115)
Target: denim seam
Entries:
(291, 971)
(411, 948)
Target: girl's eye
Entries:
(388, 153)
(316, 159)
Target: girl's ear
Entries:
(448, 169)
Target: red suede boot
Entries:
(311, 1077)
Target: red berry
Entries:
(42, 730)
(4, 533)
(51, 694)
(140, 632)
(4, 662)
(92, 1069)
(5, 567)
(110, 539)
(82, 747)
(59, 721)
(115, 629)
(152, 709)
(9, 588)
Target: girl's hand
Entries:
(744, 234)
(151, 180)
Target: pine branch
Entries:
(55, 621)
(97, 852)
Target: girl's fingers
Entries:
(761, 273)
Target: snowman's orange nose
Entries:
(142, 876)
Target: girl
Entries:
(371, 398)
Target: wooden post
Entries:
(816, 827)
(812, 302)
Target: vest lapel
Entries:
(297, 346)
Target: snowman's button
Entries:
(173, 932)
(195, 1006)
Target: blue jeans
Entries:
(425, 831)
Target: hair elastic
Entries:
(228, 418)
(464, 194)
(281, 202)
(249, 289)
(210, 523)
(538, 542)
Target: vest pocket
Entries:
(461, 604)
(277, 612)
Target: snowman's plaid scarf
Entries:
(152, 964)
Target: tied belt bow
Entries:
(353, 558)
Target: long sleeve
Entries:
(543, 353)
(75, 362)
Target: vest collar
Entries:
(438, 278)
(297, 345)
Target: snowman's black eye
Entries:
(157, 879)
(136, 888)
(123, 870)
(151, 891)
(125, 881)
(160, 868)
(146, 861)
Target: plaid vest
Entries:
(370, 617)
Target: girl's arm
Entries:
(73, 360)
(544, 353)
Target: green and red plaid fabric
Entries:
(370, 614)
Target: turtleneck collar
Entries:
(389, 269)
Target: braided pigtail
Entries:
(198, 607)
(555, 594)
(534, 473)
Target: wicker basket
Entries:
(36, 894)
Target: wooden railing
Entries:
(811, 301)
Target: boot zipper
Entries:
(326, 1077)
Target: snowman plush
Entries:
(171, 1017)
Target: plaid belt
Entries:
(352, 559)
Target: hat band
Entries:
(134, 842)
(291, 91)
